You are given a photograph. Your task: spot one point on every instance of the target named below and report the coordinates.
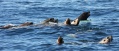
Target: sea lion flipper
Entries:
(75, 22)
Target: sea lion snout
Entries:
(106, 40)
(84, 16)
(110, 38)
(60, 40)
(88, 13)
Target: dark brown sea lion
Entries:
(27, 24)
(60, 40)
(106, 40)
(50, 20)
(84, 16)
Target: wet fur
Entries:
(27, 24)
(60, 40)
(106, 40)
(84, 16)
(50, 20)
(75, 22)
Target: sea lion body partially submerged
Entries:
(7, 26)
(106, 40)
(60, 40)
(75, 22)
(26, 24)
(47, 21)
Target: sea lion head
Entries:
(84, 16)
(27, 24)
(75, 22)
(88, 13)
(51, 20)
(60, 40)
(106, 40)
(67, 22)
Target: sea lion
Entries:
(73, 23)
(11, 25)
(60, 40)
(7, 26)
(84, 16)
(106, 40)
(27, 24)
(50, 20)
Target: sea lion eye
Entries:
(104, 40)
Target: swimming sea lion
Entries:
(7, 26)
(10, 25)
(84, 16)
(74, 23)
(27, 24)
(50, 20)
(60, 40)
(106, 40)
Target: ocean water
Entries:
(104, 21)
